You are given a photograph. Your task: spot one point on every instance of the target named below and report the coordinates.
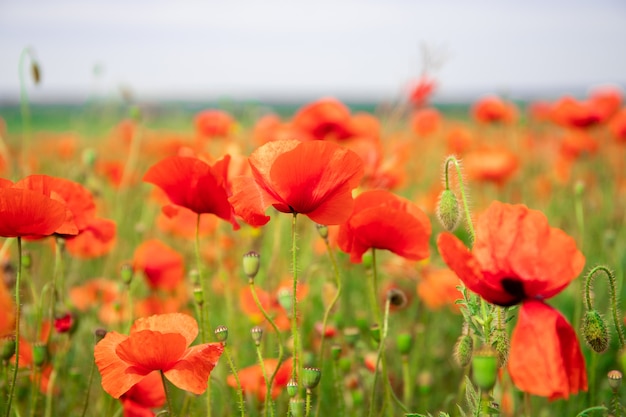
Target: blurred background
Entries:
(275, 50)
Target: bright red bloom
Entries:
(64, 323)
(382, 220)
(162, 266)
(156, 343)
(30, 213)
(194, 184)
(314, 178)
(421, 92)
(325, 119)
(519, 258)
(95, 240)
(144, 396)
(492, 109)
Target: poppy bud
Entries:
(335, 351)
(397, 298)
(27, 260)
(311, 377)
(322, 229)
(367, 259)
(615, 379)
(285, 299)
(100, 333)
(7, 347)
(65, 323)
(595, 331)
(448, 210)
(357, 398)
(126, 272)
(485, 368)
(257, 334)
(375, 332)
(251, 264)
(404, 342)
(221, 333)
(198, 295)
(463, 350)
(502, 345)
(296, 407)
(194, 276)
(35, 72)
(40, 354)
(292, 387)
(345, 364)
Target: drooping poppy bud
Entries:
(595, 331)
(448, 210)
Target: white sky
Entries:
(287, 48)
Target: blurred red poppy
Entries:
(324, 119)
(253, 382)
(156, 343)
(194, 184)
(425, 122)
(313, 178)
(214, 123)
(382, 220)
(144, 396)
(518, 258)
(493, 164)
(421, 91)
(492, 109)
(161, 265)
(617, 126)
(95, 240)
(7, 307)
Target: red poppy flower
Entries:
(313, 178)
(253, 382)
(492, 109)
(494, 164)
(95, 240)
(156, 343)
(325, 119)
(162, 266)
(617, 126)
(7, 307)
(194, 184)
(144, 396)
(214, 123)
(519, 258)
(77, 198)
(382, 220)
(30, 213)
(421, 92)
(569, 112)
(425, 122)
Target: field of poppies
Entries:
(404, 261)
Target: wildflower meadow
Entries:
(404, 259)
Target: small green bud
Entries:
(292, 388)
(311, 377)
(615, 379)
(322, 229)
(405, 343)
(345, 363)
(221, 333)
(40, 354)
(257, 334)
(375, 332)
(194, 276)
(285, 299)
(198, 294)
(595, 331)
(135, 113)
(27, 260)
(127, 272)
(502, 345)
(7, 347)
(448, 210)
(485, 368)
(368, 260)
(463, 350)
(296, 407)
(357, 398)
(335, 351)
(251, 264)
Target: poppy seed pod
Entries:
(257, 334)
(448, 210)
(221, 333)
(7, 347)
(251, 264)
(485, 368)
(311, 377)
(292, 387)
(40, 354)
(615, 379)
(595, 331)
(296, 407)
(404, 342)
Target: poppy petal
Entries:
(250, 201)
(117, 376)
(29, 213)
(169, 323)
(463, 263)
(192, 371)
(151, 350)
(545, 357)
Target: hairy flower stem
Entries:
(267, 405)
(468, 217)
(233, 369)
(613, 294)
(330, 307)
(167, 395)
(281, 351)
(294, 299)
(18, 310)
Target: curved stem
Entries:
(613, 293)
(17, 324)
(453, 160)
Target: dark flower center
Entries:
(515, 288)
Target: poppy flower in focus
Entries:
(162, 266)
(382, 220)
(313, 178)
(26, 213)
(518, 258)
(492, 109)
(95, 240)
(325, 119)
(156, 343)
(214, 123)
(194, 184)
(144, 396)
(253, 382)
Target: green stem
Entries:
(167, 395)
(89, 382)
(242, 407)
(17, 324)
(58, 262)
(468, 217)
(613, 293)
(267, 405)
(281, 351)
(309, 395)
(35, 390)
(294, 307)
(406, 380)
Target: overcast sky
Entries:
(278, 48)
